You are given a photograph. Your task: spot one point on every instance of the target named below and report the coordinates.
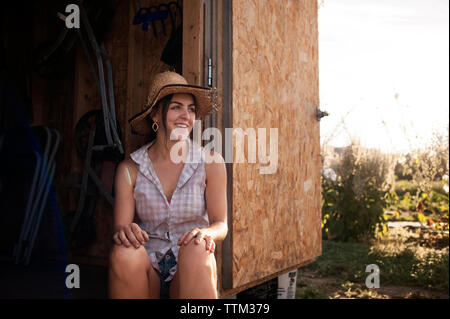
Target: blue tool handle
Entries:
(141, 16)
(158, 15)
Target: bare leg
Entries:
(131, 275)
(196, 276)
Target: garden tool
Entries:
(152, 14)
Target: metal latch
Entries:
(320, 114)
(210, 72)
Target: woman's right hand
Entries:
(130, 235)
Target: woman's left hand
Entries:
(197, 235)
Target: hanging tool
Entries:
(156, 13)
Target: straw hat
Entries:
(166, 83)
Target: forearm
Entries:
(217, 230)
(122, 217)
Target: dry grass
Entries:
(408, 270)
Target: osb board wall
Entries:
(135, 57)
(276, 217)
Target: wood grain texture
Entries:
(193, 41)
(276, 217)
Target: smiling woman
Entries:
(174, 103)
(181, 206)
(178, 116)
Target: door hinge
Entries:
(210, 72)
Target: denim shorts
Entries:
(167, 262)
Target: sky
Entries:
(383, 72)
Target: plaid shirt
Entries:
(163, 221)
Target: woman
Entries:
(181, 207)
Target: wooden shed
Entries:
(262, 55)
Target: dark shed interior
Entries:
(53, 211)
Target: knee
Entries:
(128, 259)
(196, 256)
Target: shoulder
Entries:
(127, 168)
(212, 157)
(132, 165)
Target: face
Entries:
(180, 117)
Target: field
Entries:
(413, 263)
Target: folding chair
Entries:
(37, 200)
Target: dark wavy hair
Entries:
(162, 104)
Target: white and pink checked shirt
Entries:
(163, 221)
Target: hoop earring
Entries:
(153, 126)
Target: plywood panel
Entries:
(276, 217)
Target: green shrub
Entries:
(353, 204)
(426, 197)
(423, 177)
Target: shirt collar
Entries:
(194, 158)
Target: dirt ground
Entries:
(334, 287)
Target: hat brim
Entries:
(203, 99)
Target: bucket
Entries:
(287, 284)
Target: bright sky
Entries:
(384, 68)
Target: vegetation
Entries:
(354, 197)
(402, 260)
(363, 190)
